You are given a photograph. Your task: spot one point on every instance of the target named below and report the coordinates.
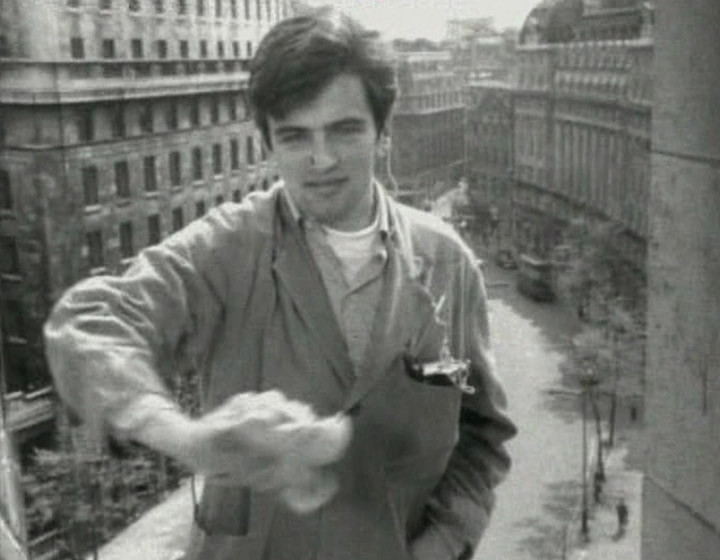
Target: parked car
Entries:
(505, 259)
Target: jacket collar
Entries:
(405, 310)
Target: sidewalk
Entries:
(603, 524)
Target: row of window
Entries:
(202, 8)
(127, 237)
(161, 49)
(146, 117)
(90, 180)
(90, 177)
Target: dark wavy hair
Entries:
(299, 57)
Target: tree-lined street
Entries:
(536, 502)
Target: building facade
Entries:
(427, 126)
(479, 51)
(680, 510)
(582, 138)
(489, 155)
(120, 122)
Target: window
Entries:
(136, 48)
(195, 112)
(250, 149)
(122, 179)
(219, 199)
(234, 154)
(95, 249)
(150, 173)
(248, 46)
(203, 48)
(9, 256)
(134, 5)
(258, 9)
(184, 49)
(86, 130)
(14, 320)
(77, 48)
(162, 48)
(159, 6)
(199, 208)
(232, 108)
(201, 7)
(171, 115)
(126, 240)
(175, 169)
(221, 49)
(182, 7)
(145, 119)
(177, 219)
(108, 48)
(6, 197)
(215, 110)
(268, 13)
(73, 3)
(233, 8)
(217, 159)
(154, 234)
(236, 195)
(197, 164)
(106, 4)
(236, 49)
(218, 8)
(90, 185)
(247, 9)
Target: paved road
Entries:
(536, 501)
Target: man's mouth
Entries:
(326, 183)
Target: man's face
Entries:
(325, 151)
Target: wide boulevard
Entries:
(536, 503)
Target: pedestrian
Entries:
(622, 515)
(597, 486)
(304, 310)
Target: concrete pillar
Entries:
(681, 509)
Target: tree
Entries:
(598, 274)
(589, 366)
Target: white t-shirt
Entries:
(355, 249)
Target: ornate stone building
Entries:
(120, 122)
(581, 137)
(427, 126)
(479, 51)
(489, 155)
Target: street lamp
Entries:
(588, 381)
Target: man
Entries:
(322, 291)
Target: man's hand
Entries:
(267, 442)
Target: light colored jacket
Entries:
(237, 296)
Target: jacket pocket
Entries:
(410, 482)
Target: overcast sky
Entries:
(426, 18)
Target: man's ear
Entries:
(384, 144)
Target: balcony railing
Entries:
(35, 82)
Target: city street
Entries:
(537, 501)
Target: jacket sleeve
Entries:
(459, 509)
(111, 340)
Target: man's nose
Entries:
(323, 155)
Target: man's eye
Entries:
(350, 128)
